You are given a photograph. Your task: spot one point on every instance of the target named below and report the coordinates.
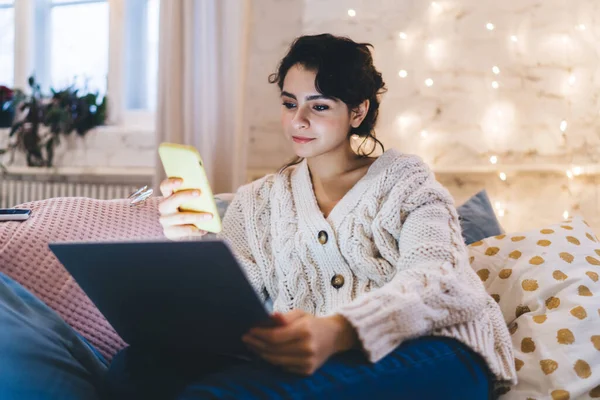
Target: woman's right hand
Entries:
(178, 225)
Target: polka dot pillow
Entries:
(546, 282)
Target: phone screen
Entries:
(15, 211)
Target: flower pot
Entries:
(6, 118)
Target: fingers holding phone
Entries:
(179, 224)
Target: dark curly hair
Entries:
(345, 71)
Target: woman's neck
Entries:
(334, 164)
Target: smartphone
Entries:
(180, 161)
(14, 214)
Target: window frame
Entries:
(32, 34)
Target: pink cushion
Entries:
(25, 256)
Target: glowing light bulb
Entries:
(577, 171)
(569, 174)
(403, 73)
(563, 126)
(429, 82)
(352, 13)
(566, 215)
(436, 5)
(403, 35)
(495, 85)
(501, 212)
(581, 27)
(572, 80)
(502, 176)
(424, 134)
(498, 205)
(490, 26)
(431, 46)
(514, 38)
(494, 159)
(495, 70)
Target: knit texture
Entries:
(25, 256)
(396, 241)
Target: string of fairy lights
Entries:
(571, 173)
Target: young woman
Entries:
(362, 257)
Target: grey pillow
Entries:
(478, 219)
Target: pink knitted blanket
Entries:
(25, 256)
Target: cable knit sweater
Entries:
(389, 257)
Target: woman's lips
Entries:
(302, 140)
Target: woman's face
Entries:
(315, 124)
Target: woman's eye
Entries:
(321, 107)
(288, 105)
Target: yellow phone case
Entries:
(180, 161)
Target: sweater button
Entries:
(337, 281)
(322, 237)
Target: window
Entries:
(105, 46)
(7, 42)
(78, 37)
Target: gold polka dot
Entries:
(530, 285)
(585, 222)
(584, 291)
(560, 395)
(579, 312)
(590, 237)
(527, 345)
(547, 231)
(484, 274)
(500, 237)
(518, 364)
(476, 244)
(544, 243)
(592, 260)
(595, 392)
(582, 369)
(497, 298)
(597, 251)
(552, 303)
(559, 275)
(471, 259)
(567, 257)
(548, 366)
(567, 227)
(515, 255)
(492, 251)
(565, 336)
(540, 319)
(517, 238)
(505, 273)
(513, 328)
(537, 260)
(596, 341)
(521, 310)
(593, 276)
(573, 240)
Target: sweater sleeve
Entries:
(432, 288)
(235, 233)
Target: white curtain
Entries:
(202, 65)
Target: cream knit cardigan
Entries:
(396, 241)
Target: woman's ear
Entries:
(358, 114)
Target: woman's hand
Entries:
(301, 343)
(178, 224)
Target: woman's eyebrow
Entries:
(307, 98)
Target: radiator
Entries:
(17, 191)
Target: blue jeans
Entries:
(41, 357)
(420, 369)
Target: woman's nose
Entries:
(300, 121)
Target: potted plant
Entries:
(7, 110)
(43, 119)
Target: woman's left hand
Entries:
(301, 342)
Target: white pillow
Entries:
(546, 282)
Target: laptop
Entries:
(176, 298)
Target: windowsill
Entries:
(108, 150)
